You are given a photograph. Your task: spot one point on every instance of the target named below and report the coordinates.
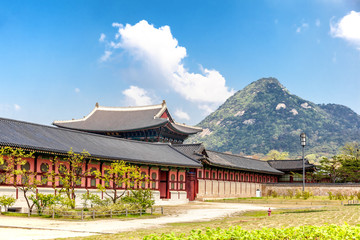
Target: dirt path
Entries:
(24, 228)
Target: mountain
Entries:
(265, 115)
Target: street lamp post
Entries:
(303, 143)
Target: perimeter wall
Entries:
(208, 189)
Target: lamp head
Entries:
(303, 139)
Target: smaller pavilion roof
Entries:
(290, 165)
(122, 119)
(241, 163)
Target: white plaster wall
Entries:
(179, 197)
(224, 189)
(221, 189)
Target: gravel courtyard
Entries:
(38, 228)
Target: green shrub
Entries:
(42, 201)
(331, 195)
(298, 194)
(268, 193)
(141, 198)
(274, 194)
(7, 201)
(306, 195)
(65, 202)
(339, 196)
(352, 196)
(93, 200)
(290, 193)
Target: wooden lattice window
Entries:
(153, 177)
(143, 174)
(181, 180)
(172, 177)
(93, 180)
(25, 167)
(44, 168)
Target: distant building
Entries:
(292, 169)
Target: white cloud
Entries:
(181, 114)
(302, 27)
(347, 28)
(159, 51)
(17, 107)
(102, 37)
(77, 90)
(106, 56)
(317, 22)
(136, 96)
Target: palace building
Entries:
(146, 123)
(149, 138)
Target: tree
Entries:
(119, 174)
(276, 155)
(351, 149)
(70, 173)
(330, 168)
(345, 166)
(350, 168)
(17, 171)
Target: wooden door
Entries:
(164, 184)
(190, 185)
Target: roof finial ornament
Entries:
(163, 103)
(97, 104)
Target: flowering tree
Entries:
(119, 174)
(14, 162)
(69, 175)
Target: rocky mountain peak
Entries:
(265, 115)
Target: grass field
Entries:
(301, 213)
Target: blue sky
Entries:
(58, 58)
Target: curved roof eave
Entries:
(244, 169)
(192, 130)
(100, 157)
(119, 130)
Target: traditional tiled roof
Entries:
(290, 165)
(194, 151)
(237, 162)
(57, 140)
(122, 119)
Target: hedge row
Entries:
(304, 232)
